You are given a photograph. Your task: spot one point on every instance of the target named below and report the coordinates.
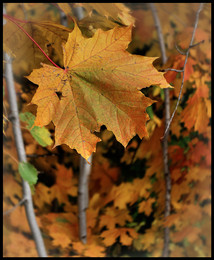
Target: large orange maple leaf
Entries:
(100, 85)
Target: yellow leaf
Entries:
(114, 216)
(100, 86)
(27, 55)
(118, 11)
(146, 206)
(126, 236)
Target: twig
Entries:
(169, 69)
(165, 252)
(22, 157)
(196, 44)
(11, 156)
(14, 207)
(185, 62)
(41, 155)
(180, 51)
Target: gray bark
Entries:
(165, 252)
(14, 116)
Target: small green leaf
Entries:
(150, 112)
(28, 172)
(28, 118)
(62, 220)
(131, 224)
(143, 223)
(162, 94)
(40, 134)
(185, 242)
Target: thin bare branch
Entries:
(28, 203)
(14, 207)
(196, 44)
(22, 158)
(185, 62)
(169, 69)
(41, 155)
(165, 252)
(180, 51)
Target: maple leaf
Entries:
(128, 192)
(103, 176)
(60, 234)
(12, 189)
(195, 114)
(146, 206)
(117, 11)
(191, 233)
(147, 239)
(126, 236)
(18, 219)
(42, 195)
(64, 186)
(114, 216)
(94, 250)
(91, 249)
(27, 56)
(121, 195)
(91, 23)
(20, 245)
(60, 228)
(100, 86)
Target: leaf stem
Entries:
(13, 20)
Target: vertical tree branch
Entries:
(168, 119)
(22, 157)
(85, 170)
(78, 11)
(28, 203)
(83, 196)
(85, 167)
(165, 252)
(63, 18)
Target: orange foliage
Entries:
(82, 110)
(126, 236)
(127, 201)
